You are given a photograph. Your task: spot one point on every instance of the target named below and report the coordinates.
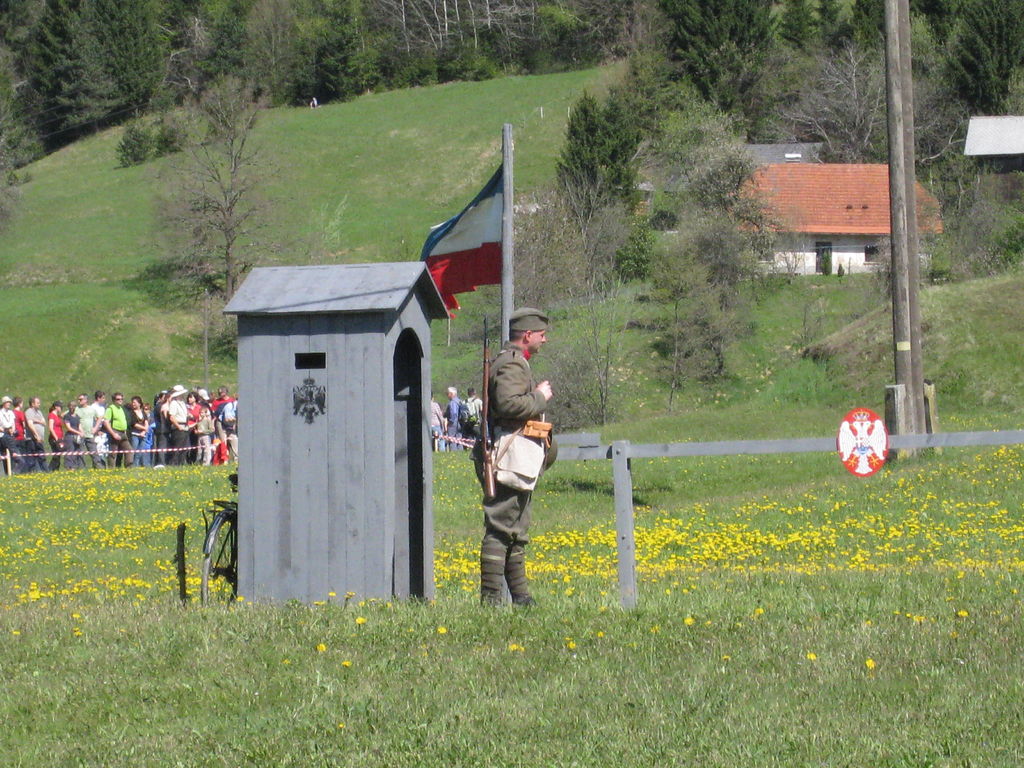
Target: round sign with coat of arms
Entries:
(863, 442)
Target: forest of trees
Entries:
(796, 69)
(68, 67)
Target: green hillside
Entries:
(357, 181)
(815, 347)
(363, 181)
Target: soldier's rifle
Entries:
(485, 414)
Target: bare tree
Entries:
(271, 34)
(184, 64)
(436, 24)
(8, 190)
(219, 180)
(844, 107)
(15, 141)
(565, 261)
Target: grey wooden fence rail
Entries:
(587, 447)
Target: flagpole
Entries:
(507, 232)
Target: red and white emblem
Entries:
(863, 442)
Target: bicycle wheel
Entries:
(220, 559)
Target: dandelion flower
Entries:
(870, 664)
(360, 620)
(442, 630)
(812, 656)
(320, 647)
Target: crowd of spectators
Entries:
(180, 427)
(454, 425)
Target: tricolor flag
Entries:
(465, 251)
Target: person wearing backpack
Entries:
(455, 413)
(475, 407)
(227, 424)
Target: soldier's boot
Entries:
(515, 576)
(492, 571)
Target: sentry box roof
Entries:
(334, 288)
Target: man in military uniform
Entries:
(514, 399)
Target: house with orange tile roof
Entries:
(829, 215)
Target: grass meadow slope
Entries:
(813, 348)
(358, 181)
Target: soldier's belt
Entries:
(514, 425)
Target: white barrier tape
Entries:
(107, 452)
(463, 441)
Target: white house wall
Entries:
(800, 256)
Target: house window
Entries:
(823, 257)
(870, 254)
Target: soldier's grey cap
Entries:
(528, 319)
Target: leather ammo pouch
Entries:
(540, 430)
(519, 455)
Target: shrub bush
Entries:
(136, 145)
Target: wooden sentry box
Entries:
(335, 466)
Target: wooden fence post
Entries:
(897, 417)
(931, 411)
(179, 557)
(626, 543)
(931, 408)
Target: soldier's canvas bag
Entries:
(518, 460)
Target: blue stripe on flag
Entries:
(438, 233)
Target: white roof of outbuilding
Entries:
(995, 136)
(335, 288)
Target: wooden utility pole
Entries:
(901, 181)
(206, 341)
(913, 239)
(507, 232)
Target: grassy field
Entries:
(789, 615)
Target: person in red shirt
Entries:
(56, 433)
(222, 397)
(19, 433)
(215, 406)
(194, 411)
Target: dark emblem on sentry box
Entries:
(309, 400)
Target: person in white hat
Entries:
(7, 445)
(177, 425)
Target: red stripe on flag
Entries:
(463, 271)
